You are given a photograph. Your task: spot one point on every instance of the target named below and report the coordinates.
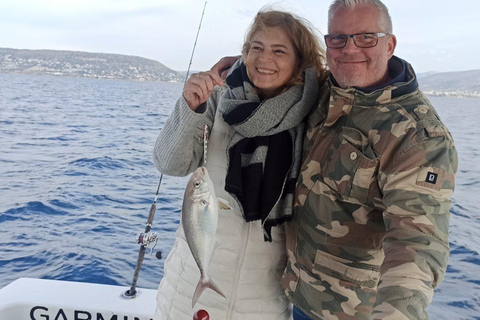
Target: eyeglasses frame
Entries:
(352, 36)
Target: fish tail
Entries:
(204, 283)
(212, 285)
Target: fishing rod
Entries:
(146, 238)
(195, 44)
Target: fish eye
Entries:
(196, 184)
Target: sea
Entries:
(77, 182)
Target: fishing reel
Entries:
(145, 239)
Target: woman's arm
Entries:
(179, 147)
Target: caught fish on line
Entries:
(199, 220)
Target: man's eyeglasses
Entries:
(361, 40)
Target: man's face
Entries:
(359, 67)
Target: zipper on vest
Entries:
(246, 236)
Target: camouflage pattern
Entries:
(369, 239)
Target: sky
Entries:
(433, 35)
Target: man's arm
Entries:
(417, 191)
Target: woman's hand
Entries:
(199, 87)
(222, 67)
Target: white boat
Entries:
(38, 299)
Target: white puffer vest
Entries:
(244, 266)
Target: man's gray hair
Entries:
(385, 21)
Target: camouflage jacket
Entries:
(369, 239)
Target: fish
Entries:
(199, 219)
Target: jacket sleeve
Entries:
(417, 190)
(179, 147)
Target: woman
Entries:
(254, 154)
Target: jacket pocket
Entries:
(350, 169)
(363, 274)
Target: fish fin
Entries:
(203, 283)
(201, 286)
(223, 204)
(212, 285)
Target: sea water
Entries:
(77, 181)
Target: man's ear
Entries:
(392, 43)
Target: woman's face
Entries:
(270, 61)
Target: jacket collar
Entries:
(342, 100)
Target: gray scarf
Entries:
(264, 153)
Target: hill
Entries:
(456, 84)
(85, 64)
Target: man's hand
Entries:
(199, 87)
(222, 67)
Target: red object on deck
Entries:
(201, 315)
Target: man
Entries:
(369, 239)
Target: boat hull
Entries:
(38, 299)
